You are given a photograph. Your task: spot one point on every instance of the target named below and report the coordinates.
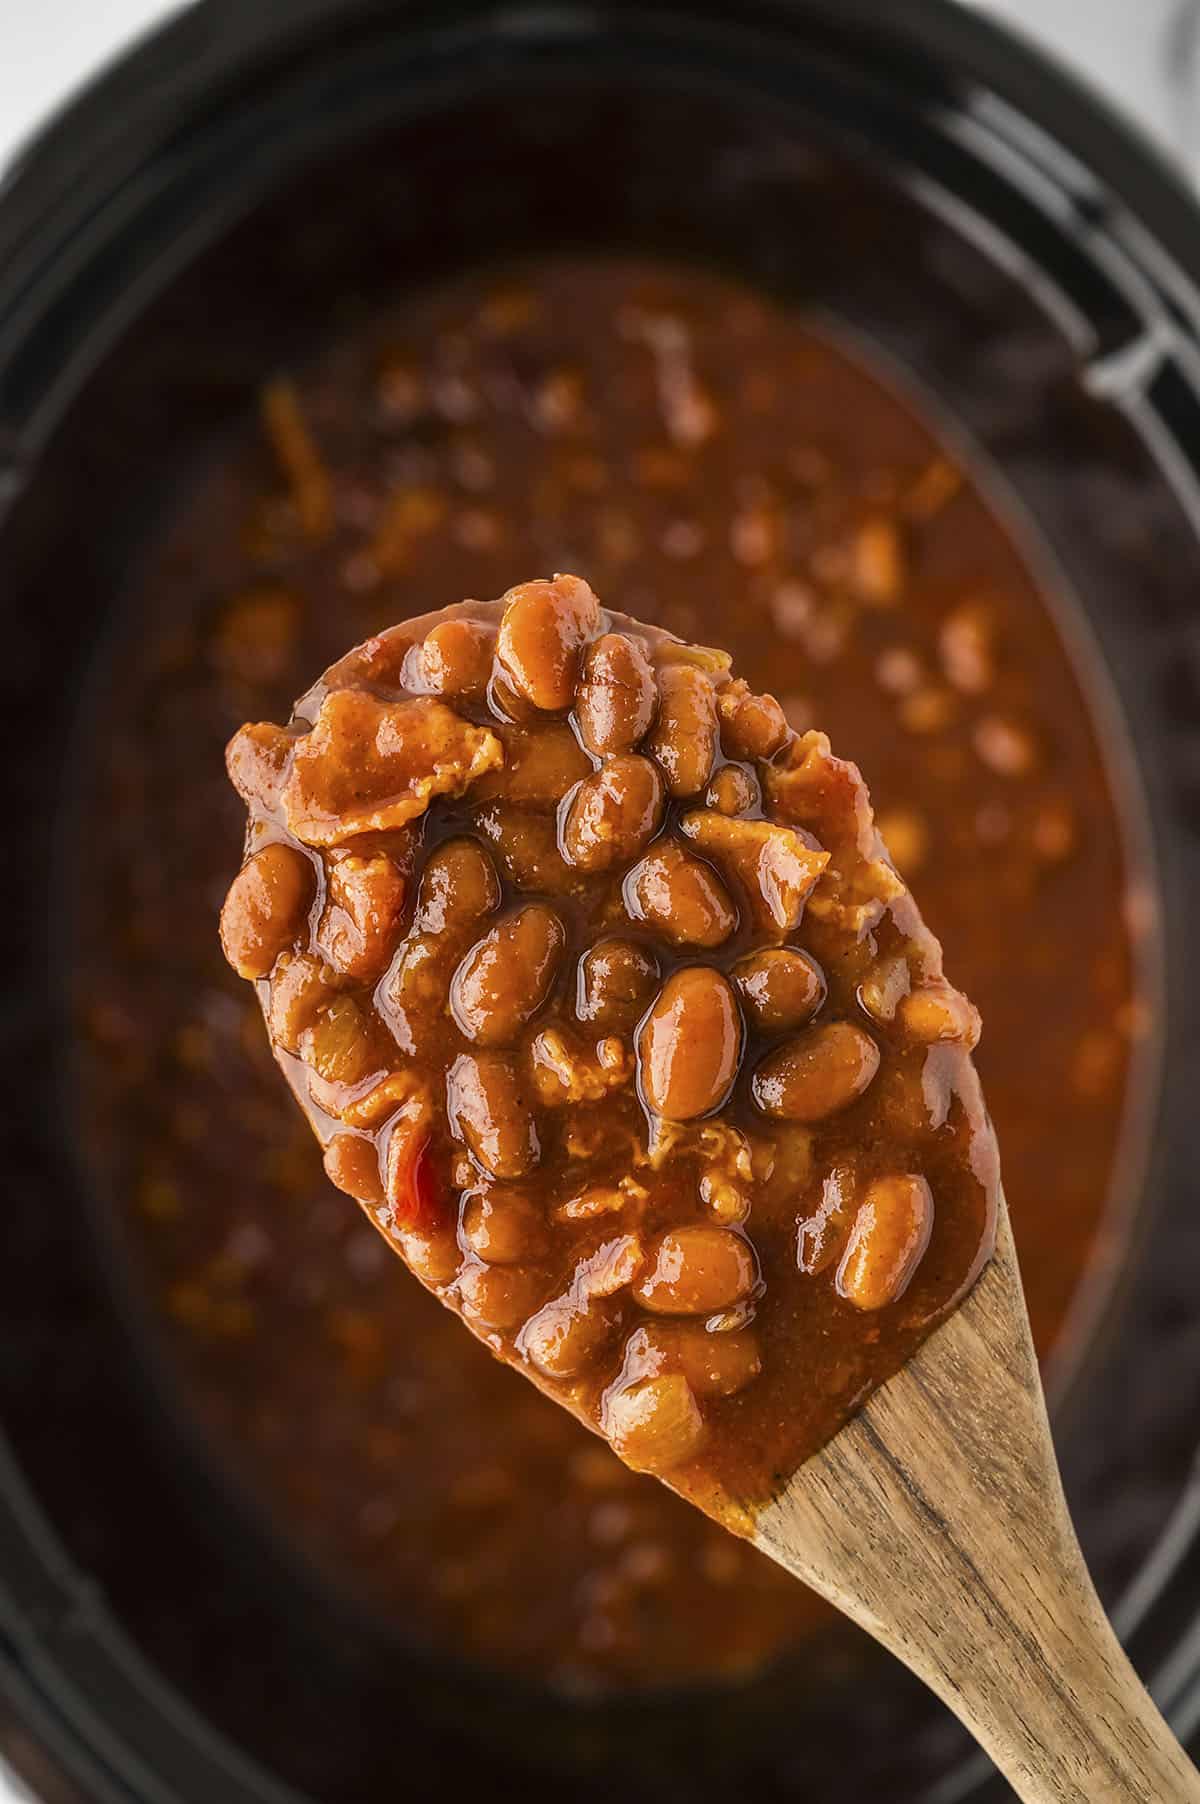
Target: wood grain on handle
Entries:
(936, 1520)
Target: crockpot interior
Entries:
(988, 272)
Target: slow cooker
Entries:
(203, 210)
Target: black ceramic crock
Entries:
(204, 210)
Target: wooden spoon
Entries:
(936, 1520)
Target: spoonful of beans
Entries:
(608, 1007)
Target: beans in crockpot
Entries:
(613, 1016)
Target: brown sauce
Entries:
(606, 1003)
(702, 454)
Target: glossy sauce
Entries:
(706, 1206)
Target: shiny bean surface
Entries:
(543, 629)
(780, 988)
(506, 977)
(485, 1102)
(818, 1074)
(266, 902)
(617, 697)
(690, 1045)
(681, 898)
(616, 980)
(613, 814)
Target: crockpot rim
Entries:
(55, 179)
(75, 162)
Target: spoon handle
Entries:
(936, 1520)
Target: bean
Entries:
(615, 981)
(725, 1200)
(507, 975)
(256, 759)
(752, 726)
(1004, 746)
(345, 1043)
(732, 791)
(301, 985)
(455, 659)
(567, 1335)
(715, 1365)
(966, 647)
(352, 1164)
(905, 833)
(501, 1227)
(613, 814)
(497, 1297)
(543, 630)
(690, 1045)
(413, 995)
(884, 988)
(265, 909)
(817, 1074)
(617, 696)
(458, 885)
(360, 922)
(887, 1242)
(432, 1254)
(684, 739)
(654, 1424)
(680, 897)
(697, 1270)
(780, 988)
(938, 1012)
(487, 1108)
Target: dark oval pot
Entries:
(207, 208)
